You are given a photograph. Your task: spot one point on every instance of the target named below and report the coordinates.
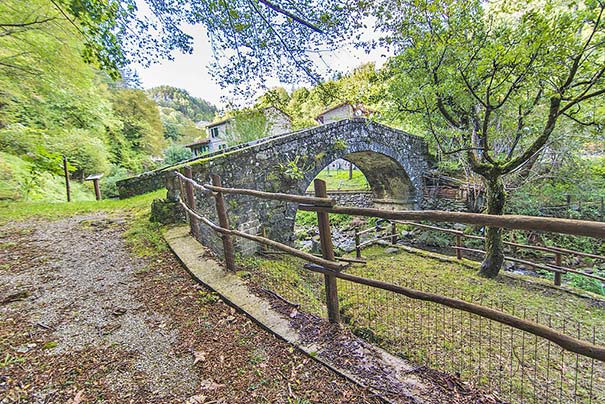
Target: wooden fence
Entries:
(390, 233)
(332, 269)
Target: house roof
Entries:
(222, 121)
(198, 142)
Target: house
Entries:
(346, 110)
(199, 147)
(218, 133)
(278, 122)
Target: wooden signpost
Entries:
(95, 180)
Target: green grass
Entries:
(285, 276)
(339, 180)
(10, 211)
(481, 350)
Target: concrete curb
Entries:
(234, 291)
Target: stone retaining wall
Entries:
(360, 199)
(141, 184)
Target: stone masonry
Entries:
(392, 161)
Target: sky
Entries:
(190, 71)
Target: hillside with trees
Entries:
(53, 104)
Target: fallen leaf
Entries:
(198, 399)
(210, 385)
(198, 356)
(78, 398)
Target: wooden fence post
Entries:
(190, 195)
(558, 274)
(568, 203)
(602, 208)
(357, 242)
(223, 220)
(393, 233)
(458, 245)
(327, 251)
(67, 186)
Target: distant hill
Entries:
(180, 100)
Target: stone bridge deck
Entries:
(392, 161)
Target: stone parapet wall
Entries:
(141, 184)
(393, 161)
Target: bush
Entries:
(86, 153)
(108, 184)
(175, 154)
(435, 239)
(18, 139)
(585, 283)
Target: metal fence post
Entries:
(357, 242)
(223, 220)
(190, 195)
(327, 251)
(558, 274)
(458, 245)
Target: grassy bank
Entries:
(10, 211)
(339, 180)
(517, 366)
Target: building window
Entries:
(214, 132)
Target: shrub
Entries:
(108, 184)
(176, 153)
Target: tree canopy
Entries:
(492, 80)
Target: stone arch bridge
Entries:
(393, 162)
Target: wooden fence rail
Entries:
(557, 268)
(332, 269)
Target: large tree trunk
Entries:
(494, 257)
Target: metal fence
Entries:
(519, 356)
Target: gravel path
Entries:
(83, 320)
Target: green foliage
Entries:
(175, 154)
(193, 108)
(584, 283)
(141, 124)
(17, 181)
(87, 154)
(178, 127)
(309, 219)
(340, 144)
(108, 185)
(363, 85)
(434, 238)
(293, 170)
(247, 125)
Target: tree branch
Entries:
(288, 14)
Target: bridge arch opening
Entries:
(379, 181)
(378, 173)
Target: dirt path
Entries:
(83, 320)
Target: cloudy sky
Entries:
(190, 72)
